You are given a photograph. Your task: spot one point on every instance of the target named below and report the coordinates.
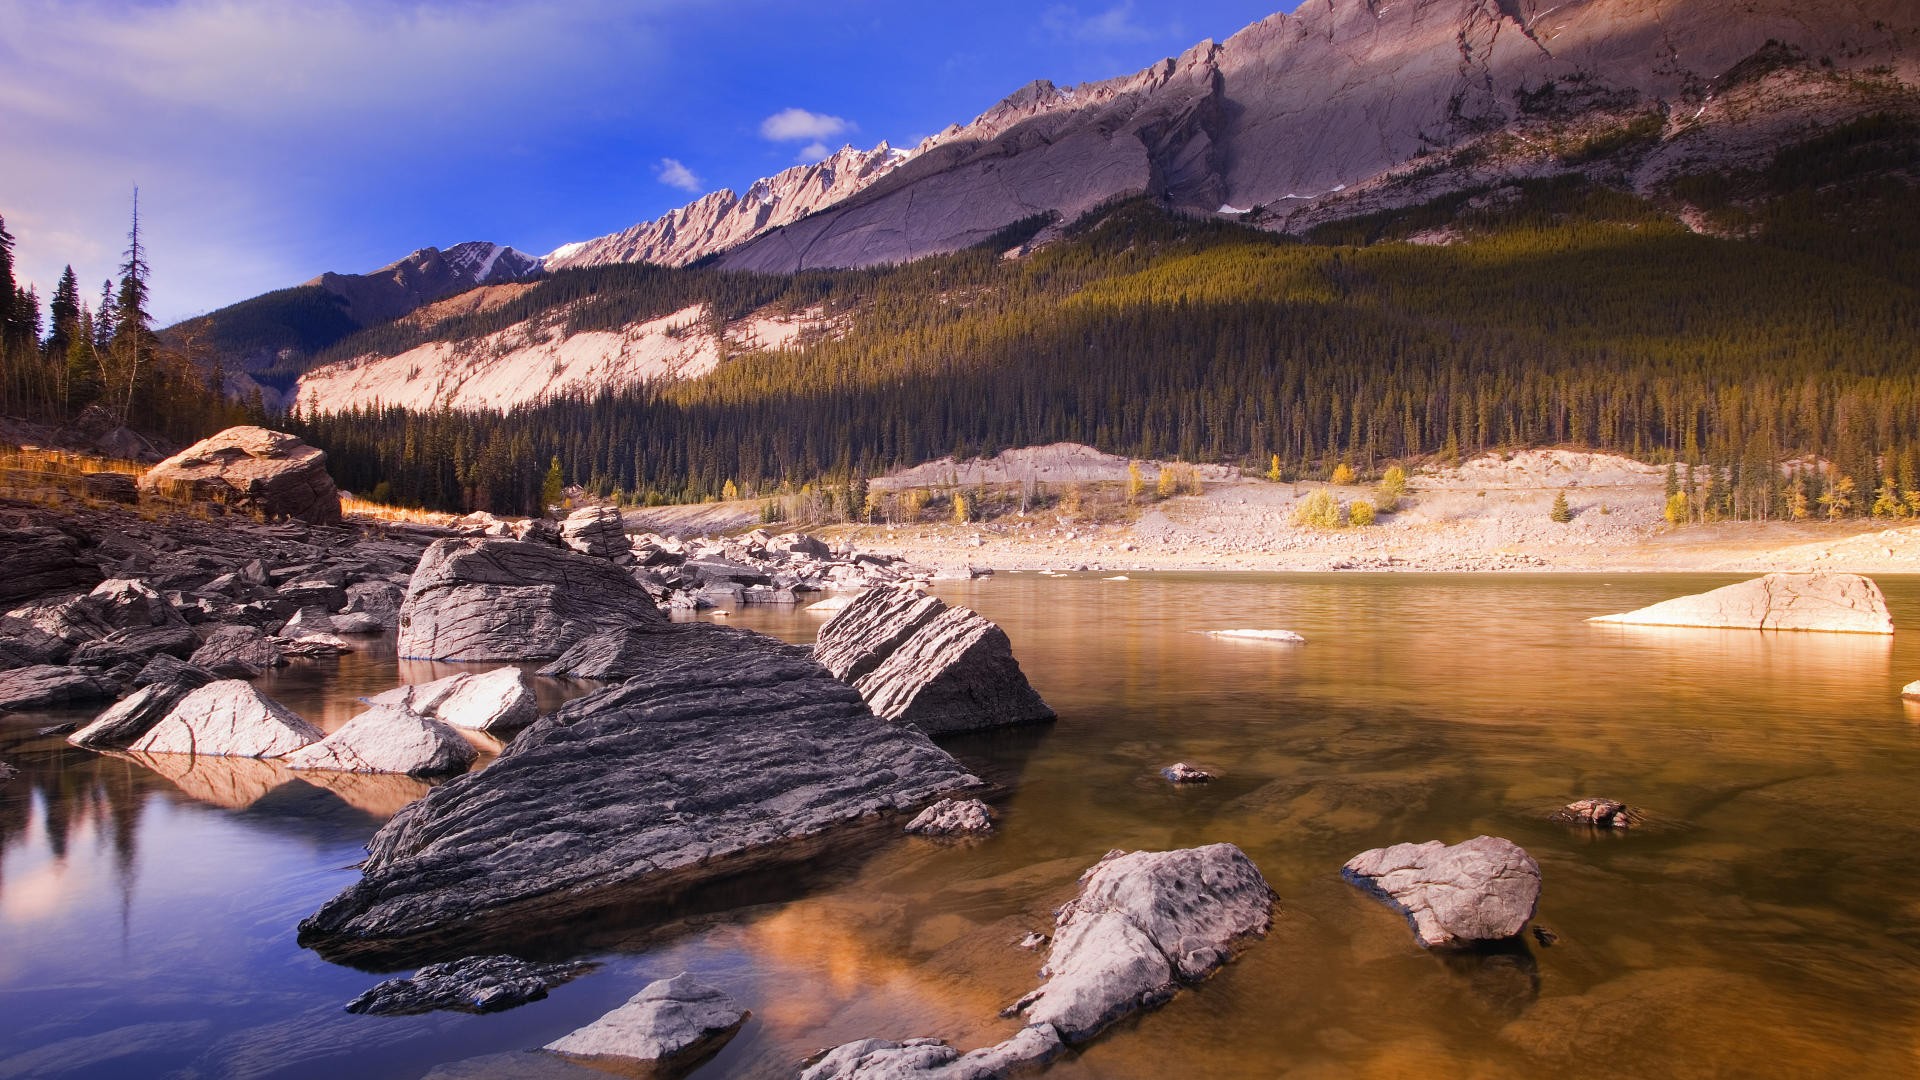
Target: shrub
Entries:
(1360, 513)
(1320, 510)
(1342, 474)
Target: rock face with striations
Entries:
(42, 560)
(498, 700)
(1482, 890)
(388, 739)
(494, 599)
(1838, 603)
(917, 661)
(228, 719)
(136, 714)
(477, 984)
(44, 686)
(268, 473)
(724, 752)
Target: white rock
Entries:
(1485, 889)
(228, 719)
(497, 700)
(1838, 603)
(1911, 690)
(1286, 636)
(664, 1020)
(388, 739)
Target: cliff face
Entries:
(1298, 110)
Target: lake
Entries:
(1764, 921)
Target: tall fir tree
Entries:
(134, 341)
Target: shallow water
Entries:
(1763, 923)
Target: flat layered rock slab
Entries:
(1832, 603)
(476, 984)
(731, 748)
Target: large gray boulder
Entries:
(494, 599)
(1838, 603)
(113, 605)
(1485, 889)
(166, 682)
(23, 644)
(727, 750)
(137, 646)
(228, 719)
(45, 686)
(388, 739)
(917, 661)
(669, 1020)
(238, 652)
(267, 473)
(477, 984)
(498, 700)
(612, 657)
(597, 531)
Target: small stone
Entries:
(1182, 773)
(1598, 813)
(953, 817)
(669, 1019)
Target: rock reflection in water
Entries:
(232, 783)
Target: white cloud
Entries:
(1112, 26)
(797, 125)
(674, 174)
(813, 152)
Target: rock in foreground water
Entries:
(498, 700)
(727, 750)
(953, 817)
(1839, 603)
(932, 1059)
(228, 719)
(1484, 889)
(388, 739)
(1599, 813)
(269, 473)
(479, 984)
(671, 1019)
(490, 599)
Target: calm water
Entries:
(1765, 923)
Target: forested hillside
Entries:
(1561, 312)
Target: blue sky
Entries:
(272, 141)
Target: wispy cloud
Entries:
(674, 174)
(1113, 26)
(812, 152)
(798, 125)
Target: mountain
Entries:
(721, 220)
(264, 342)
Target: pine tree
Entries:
(64, 313)
(1561, 512)
(133, 338)
(554, 488)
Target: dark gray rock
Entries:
(356, 623)
(113, 487)
(597, 531)
(268, 473)
(23, 644)
(311, 593)
(956, 673)
(872, 628)
(42, 561)
(45, 686)
(162, 684)
(670, 1020)
(730, 748)
(713, 570)
(137, 646)
(489, 599)
(238, 652)
(1484, 889)
(379, 599)
(613, 656)
(475, 984)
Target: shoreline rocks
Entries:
(228, 719)
(729, 749)
(1824, 602)
(493, 599)
(1484, 889)
(953, 817)
(476, 984)
(497, 700)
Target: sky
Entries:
(272, 141)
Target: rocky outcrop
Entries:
(1598, 813)
(388, 739)
(476, 984)
(23, 644)
(1484, 889)
(597, 531)
(228, 719)
(725, 752)
(1143, 925)
(670, 1020)
(163, 686)
(493, 599)
(44, 686)
(266, 473)
(238, 652)
(499, 700)
(953, 817)
(917, 661)
(1838, 603)
(611, 657)
(42, 560)
(137, 646)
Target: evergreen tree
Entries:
(64, 313)
(134, 342)
(554, 488)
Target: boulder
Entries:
(672, 1019)
(357, 623)
(932, 1059)
(1182, 773)
(1484, 889)
(496, 701)
(953, 817)
(266, 473)
(228, 719)
(44, 686)
(489, 599)
(1838, 603)
(23, 644)
(1911, 691)
(388, 739)
(42, 561)
(730, 747)
(161, 687)
(238, 652)
(475, 984)
(597, 531)
(800, 544)
(137, 646)
(871, 628)
(380, 600)
(325, 597)
(956, 673)
(1598, 813)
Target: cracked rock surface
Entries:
(1484, 889)
(495, 599)
(388, 739)
(228, 718)
(1837, 603)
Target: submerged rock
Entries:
(1284, 637)
(388, 739)
(953, 817)
(917, 661)
(1838, 603)
(490, 599)
(670, 1020)
(1182, 773)
(726, 750)
(45, 686)
(269, 473)
(1599, 813)
(1484, 889)
(932, 1059)
(228, 719)
(478, 984)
